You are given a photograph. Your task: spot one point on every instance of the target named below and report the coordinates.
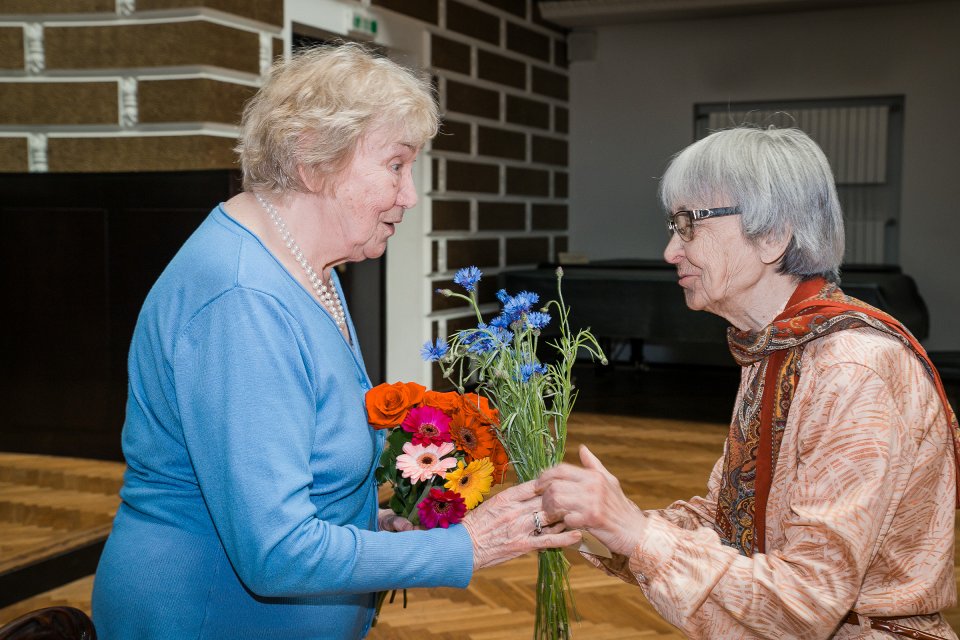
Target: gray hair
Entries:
(316, 107)
(782, 183)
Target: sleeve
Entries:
(852, 439)
(245, 393)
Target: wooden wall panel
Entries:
(269, 11)
(54, 103)
(198, 100)
(152, 45)
(147, 153)
(58, 6)
(13, 155)
(11, 48)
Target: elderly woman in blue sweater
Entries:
(249, 503)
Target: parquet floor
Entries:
(657, 462)
(49, 504)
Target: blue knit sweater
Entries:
(249, 504)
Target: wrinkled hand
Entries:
(590, 497)
(387, 520)
(502, 527)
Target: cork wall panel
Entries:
(501, 143)
(425, 10)
(11, 48)
(58, 6)
(528, 112)
(44, 103)
(560, 185)
(197, 100)
(147, 153)
(13, 155)
(550, 216)
(480, 252)
(549, 150)
(453, 136)
(528, 182)
(550, 83)
(269, 11)
(500, 69)
(561, 120)
(516, 7)
(473, 100)
(501, 216)
(528, 42)
(451, 215)
(527, 250)
(152, 45)
(473, 176)
(448, 54)
(473, 22)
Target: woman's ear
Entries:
(771, 249)
(310, 178)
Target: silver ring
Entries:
(537, 524)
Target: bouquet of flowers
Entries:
(533, 398)
(446, 450)
(441, 457)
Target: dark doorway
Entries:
(78, 255)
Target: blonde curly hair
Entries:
(316, 107)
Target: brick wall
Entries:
(129, 85)
(500, 162)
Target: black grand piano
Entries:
(640, 301)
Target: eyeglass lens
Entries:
(683, 225)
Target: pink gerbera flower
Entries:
(428, 425)
(441, 509)
(422, 462)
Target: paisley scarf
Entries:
(817, 308)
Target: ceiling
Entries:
(594, 13)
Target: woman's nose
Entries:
(407, 195)
(673, 252)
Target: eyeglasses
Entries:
(682, 221)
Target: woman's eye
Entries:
(396, 167)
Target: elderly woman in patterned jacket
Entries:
(830, 513)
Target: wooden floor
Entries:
(656, 460)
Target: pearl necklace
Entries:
(328, 295)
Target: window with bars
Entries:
(863, 140)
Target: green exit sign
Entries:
(364, 24)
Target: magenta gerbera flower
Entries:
(428, 425)
(441, 509)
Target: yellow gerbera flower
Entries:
(471, 482)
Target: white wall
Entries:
(632, 108)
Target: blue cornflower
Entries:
(530, 369)
(522, 303)
(468, 277)
(486, 339)
(433, 352)
(538, 320)
(503, 296)
(500, 322)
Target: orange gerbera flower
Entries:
(472, 437)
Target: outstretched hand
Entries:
(504, 527)
(590, 497)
